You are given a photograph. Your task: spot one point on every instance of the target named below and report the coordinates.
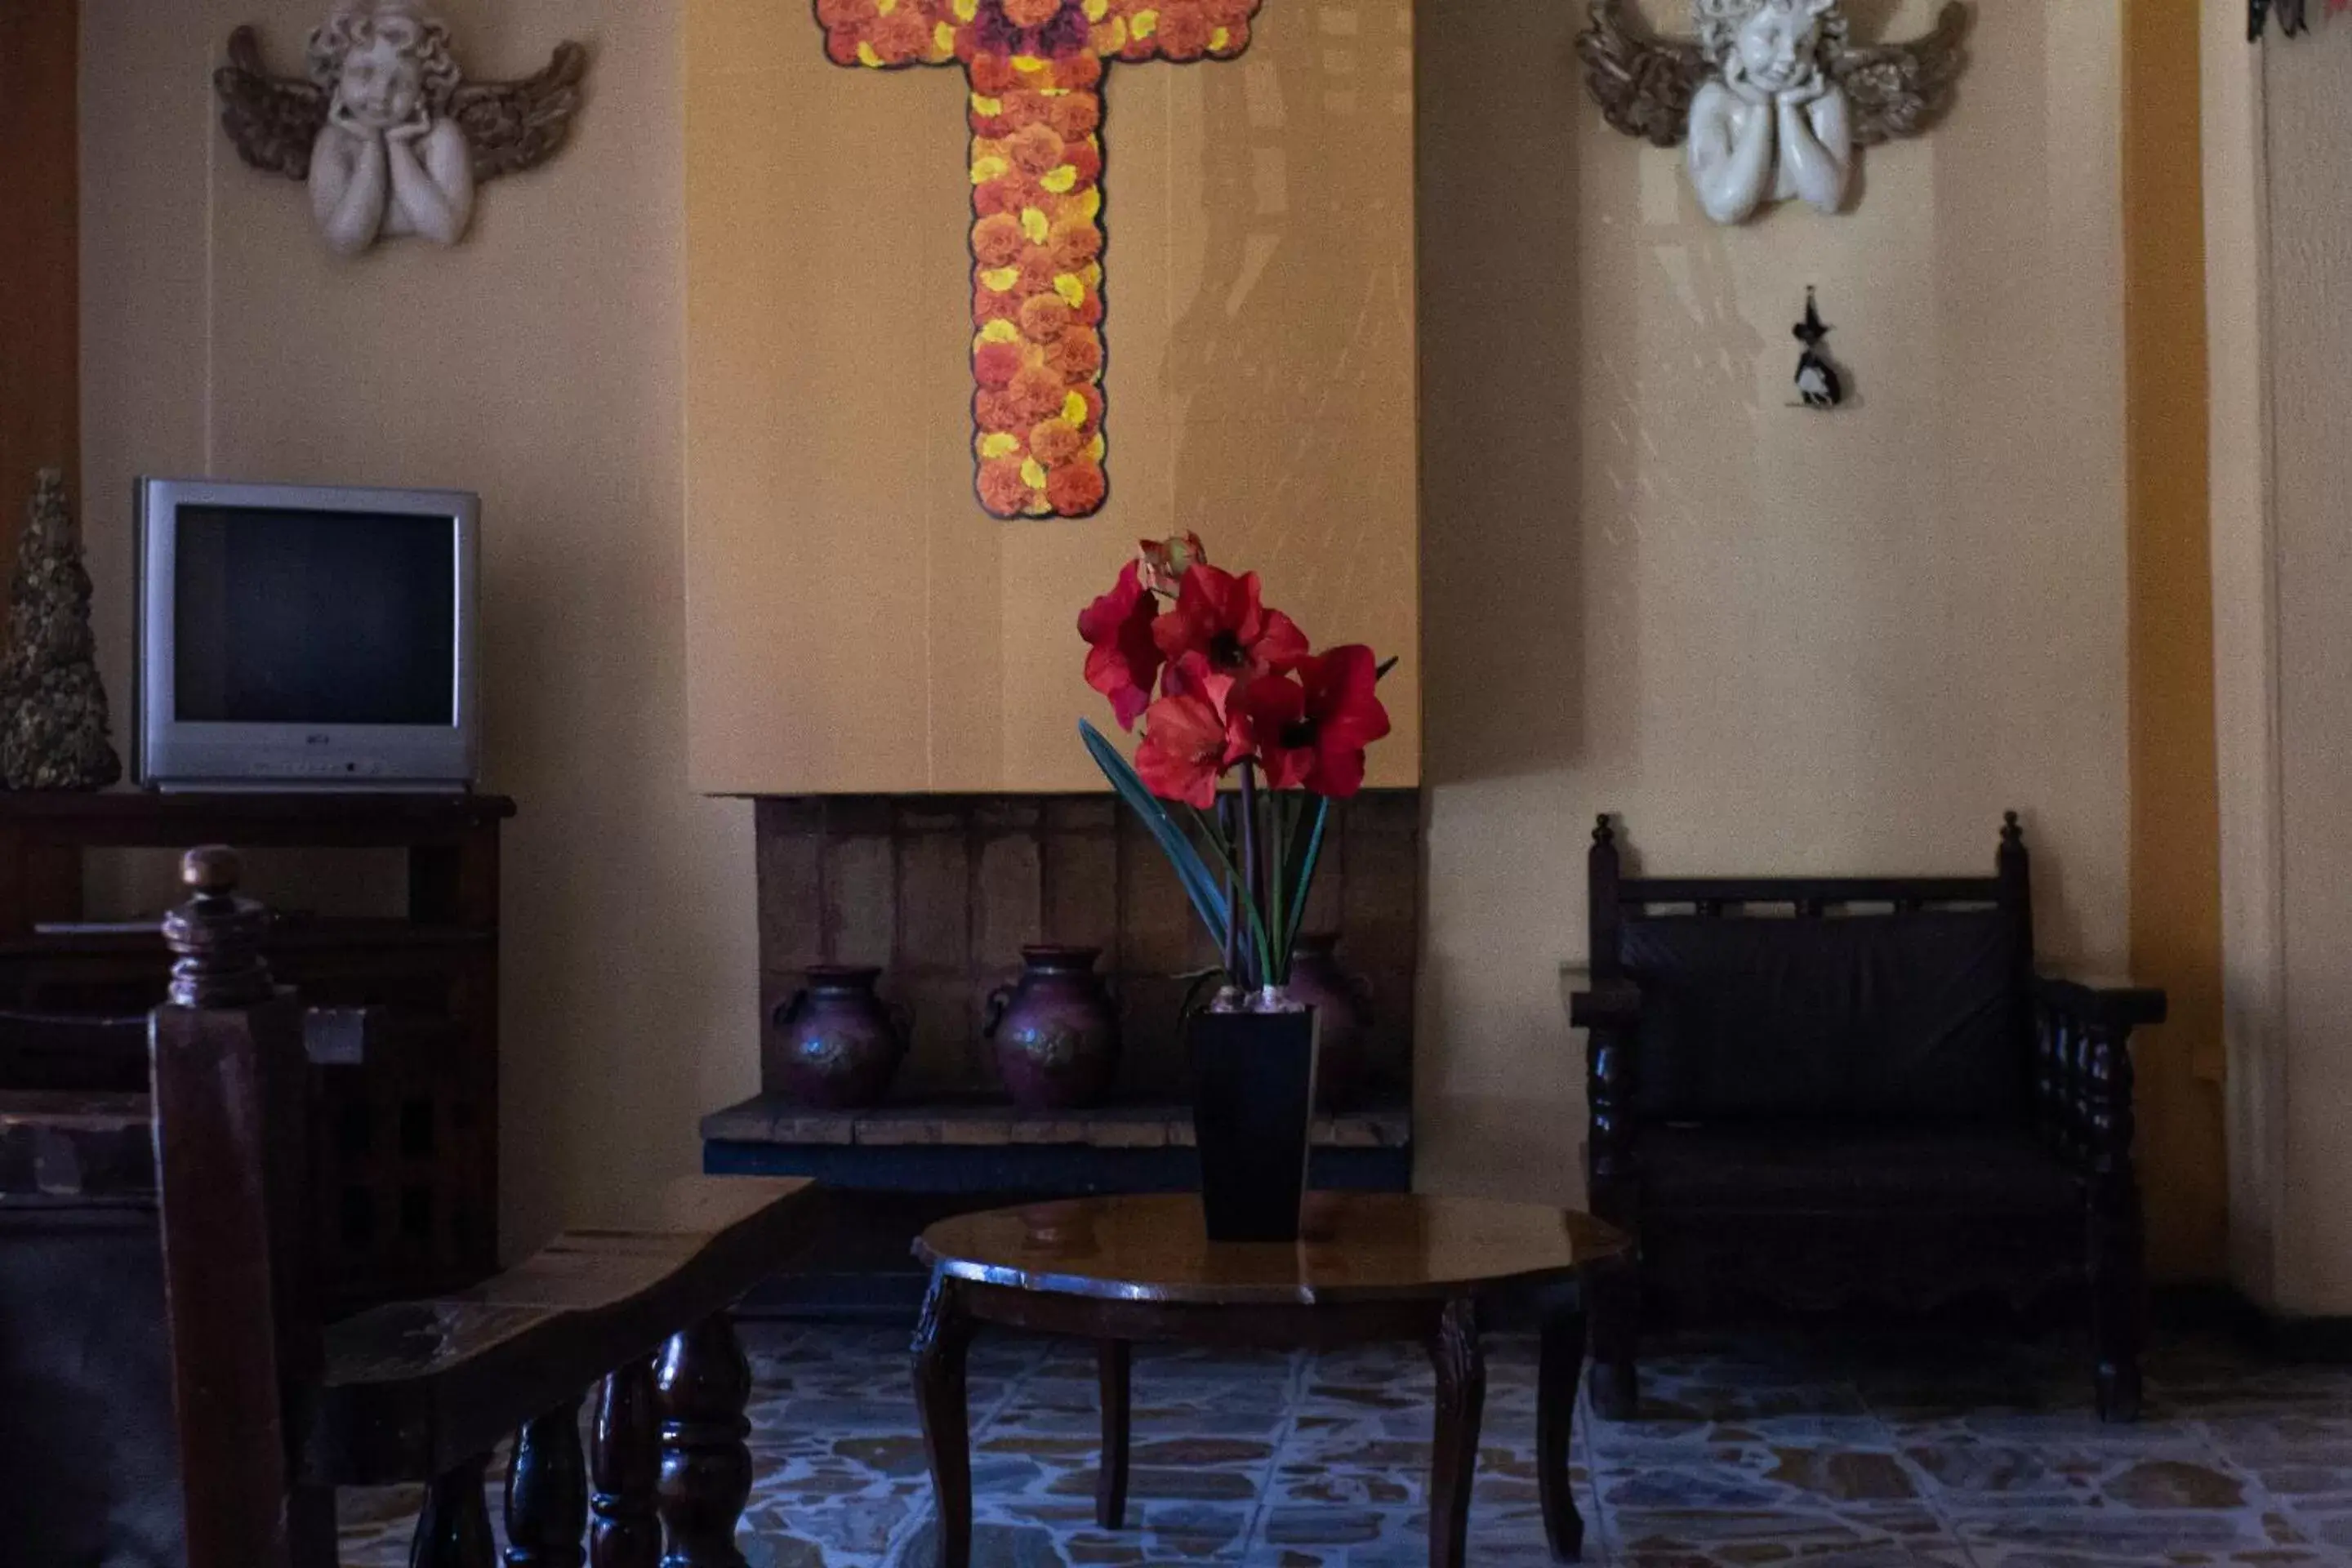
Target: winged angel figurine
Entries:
(389, 137)
(1771, 97)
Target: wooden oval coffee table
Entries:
(1373, 1266)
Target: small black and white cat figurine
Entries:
(1817, 380)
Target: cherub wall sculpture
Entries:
(385, 130)
(1771, 98)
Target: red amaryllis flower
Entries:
(1311, 730)
(1218, 616)
(1124, 659)
(1188, 743)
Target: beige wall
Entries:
(539, 364)
(1773, 641)
(858, 623)
(2278, 178)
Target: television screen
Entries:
(308, 618)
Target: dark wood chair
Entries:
(1819, 1092)
(271, 1407)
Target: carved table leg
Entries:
(547, 1494)
(1556, 1381)
(625, 1463)
(941, 1341)
(454, 1531)
(701, 1384)
(1615, 1289)
(1111, 1359)
(1453, 1462)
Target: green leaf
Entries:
(1208, 898)
(1305, 855)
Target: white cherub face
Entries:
(1779, 45)
(382, 84)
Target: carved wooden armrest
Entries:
(1611, 1003)
(2083, 1068)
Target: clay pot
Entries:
(837, 1043)
(1343, 1006)
(1055, 1032)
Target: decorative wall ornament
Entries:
(1035, 70)
(1818, 381)
(2294, 17)
(1771, 97)
(389, 136)
(54, 735)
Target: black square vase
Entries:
(1253, 1109)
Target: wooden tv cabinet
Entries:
(406, 1123)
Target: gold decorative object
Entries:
(54, 733)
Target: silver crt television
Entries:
(301, 637)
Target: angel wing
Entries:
(1895, 89)
(516, 125)
(1644, 84)
(273, 119)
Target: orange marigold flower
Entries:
(988, 305)
(1228, 13)
(997, 239)
(901, 36)
(1076, 355)
(1077, 115)
(1075, 244)
(845, 13)
(1038, 270)
(1003, 491)
(1075, 488)
(1037, 392)
(1183, 34)
(841, 45)
(1031, 13)
(994, 411)
(996, 365)
(993, 75)
(1035, 149)
(1085, 157)
(1091, 396)
(1045, 317)
(1090, 311)
(1022, 110)
(1006, 194)
(1076, 71)
(1056, 441)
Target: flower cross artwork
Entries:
(1035, 70)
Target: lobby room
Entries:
(1082, 783)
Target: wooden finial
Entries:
(1602, 832)
(216, 935)
(2010, 833)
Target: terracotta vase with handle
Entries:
(1342, 1001)
(837, 1045)
(1055, 1031)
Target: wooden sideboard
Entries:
(406, 1137)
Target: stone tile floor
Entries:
(1826, 1452)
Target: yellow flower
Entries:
(1221, 37)
(1098, 447)
(1074, 409)
(999, 279)
(1029, 63)
(1144, 24)
(1061, 182)
(983, 169)
(1111, 36)
(981, 105)
(867, 57)
(1034, 223)
(1000, 445)
(999, 332)
(1089, 204)
(1097, 10)
(944, 39)
(965, 10)
(884, 7)
(1072, 292)
(1033, 473)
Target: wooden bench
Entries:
(274, 1408)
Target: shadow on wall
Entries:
(1503, 545)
